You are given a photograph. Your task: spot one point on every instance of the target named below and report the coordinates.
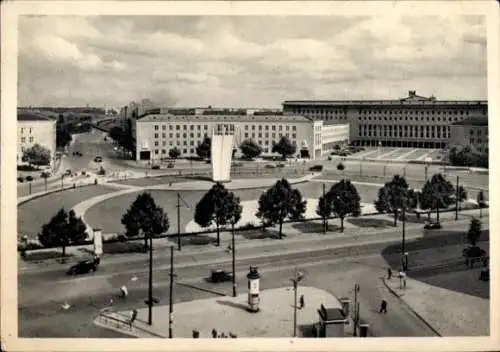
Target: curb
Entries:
(391, 290)
(40, 195)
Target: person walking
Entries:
(383, 306)
(389, 273)
(302, 303)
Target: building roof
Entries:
(30, 116)
(473, 121)
(411, 99)
(226, 118)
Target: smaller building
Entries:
(470, 132)
(333, 135)
(33, 128)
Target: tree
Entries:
(437, 193)
(284, 147)
(37, 155)
(342, 200)
(279, 202)
(474, 231)
(481, 202)
(145, 217)
(203, 150)
(63, 135)
(341, 167)
(62, 230)
(117, 134)
(250, 149)
(218, 206)
(392, 197)
(174, 153)
(45, 175)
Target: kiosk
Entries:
(253, 290)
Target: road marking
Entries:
(406, 154)
(382, 156)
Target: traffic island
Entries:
(228, 316)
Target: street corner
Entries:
(229, 315)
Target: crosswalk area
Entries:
(399, 154)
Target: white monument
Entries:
(222, 152)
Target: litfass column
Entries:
(222, 152)
(253, 290)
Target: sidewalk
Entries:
(229, 315)
(449, 312)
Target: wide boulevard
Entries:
(333, 264)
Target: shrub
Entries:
(155, 167)
(101, 171)
(29, 178)
(237, 164)
(316, 168)
(20, 179)
(329, 158)
(27, 168)
(340, 167)
(45, 174)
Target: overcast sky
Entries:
(247, 61)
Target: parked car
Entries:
(170, 165)
(485, 274)
(270, 166)
(473, 254)
(84, 267)
(219, 275)
(155, 167)
(98, 159)
(280, 165)
(316, 168)
(432, 225)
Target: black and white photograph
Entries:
(318, 175)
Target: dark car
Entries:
(432, 225)
(84, 267)
(98, 159)
(485, 274)
(219, 275)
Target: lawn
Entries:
(115, 207)
(366, 222)
(33, 214)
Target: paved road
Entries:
(89, 293)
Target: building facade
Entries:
(414, 121)
(34, 128)
(470, 132)
(156, 134)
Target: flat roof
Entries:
(29, 116)
(228, 118)
(382, 102)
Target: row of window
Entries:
(474, 141)
(226, 127)
(22, 130)
(23, 139)
(247, 135)
(384, 111)
(479, 132)
(402, 134)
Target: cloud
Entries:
(247, 60)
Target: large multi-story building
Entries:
(33, 128)
(470, 132)
(156, 134)
(414, 121)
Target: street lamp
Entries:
(355, 310)
(427, 162)
(295, 280)
(234, 258)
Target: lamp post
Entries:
(457, 195)
(171, 299)
(179, 245)
(324, 205)
(150, 282)
(295, 280)
(403, 239)
(234, 258)
(62, 179)
(355, 310)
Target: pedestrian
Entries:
(124, 291)
(214, 333)
(389, 273)
(383, 306)
(314, 331)
(301, 302)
